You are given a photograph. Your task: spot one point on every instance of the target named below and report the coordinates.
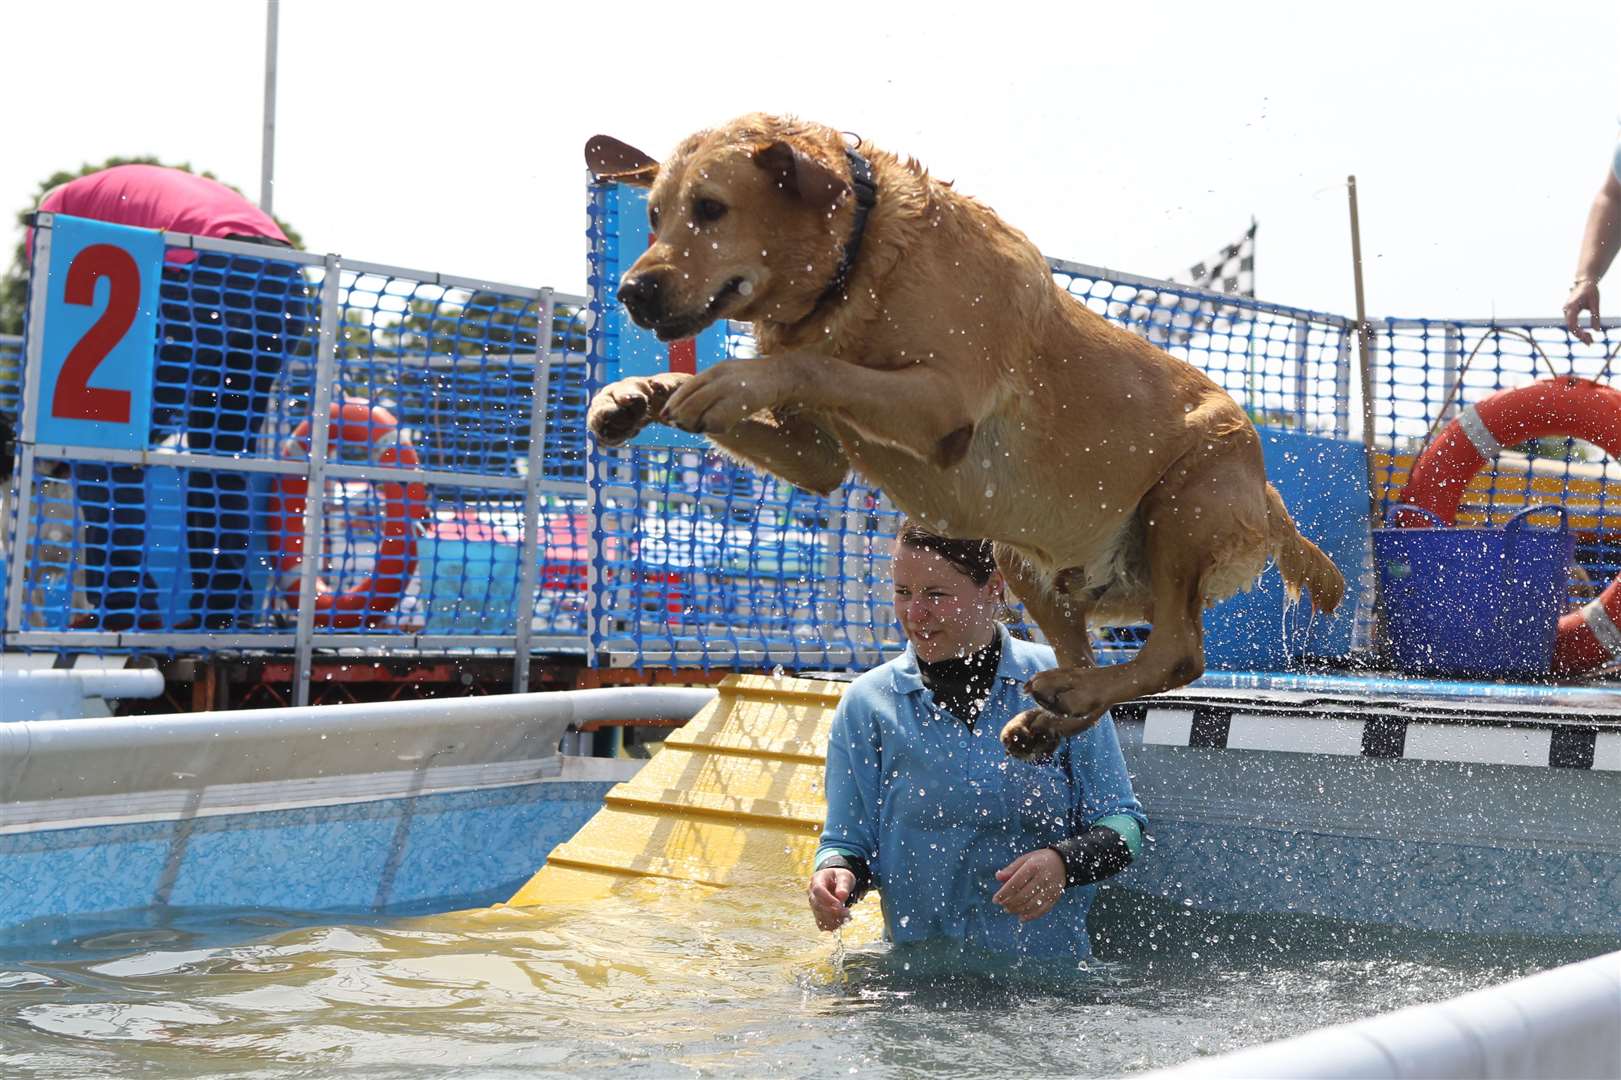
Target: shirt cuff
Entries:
(1097, 853)
(837, 860)
(1129, 828)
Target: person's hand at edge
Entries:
(1031, 884)
(829, 895)
(1583, 297)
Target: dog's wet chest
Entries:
(969, 497)
(1001, 489)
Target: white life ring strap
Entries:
(385, 441)
(1604, 629)
(1478, 434)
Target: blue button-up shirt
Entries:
(936, 808)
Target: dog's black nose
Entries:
(641, 297)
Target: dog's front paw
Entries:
(1032, 734)
(620, 410)
(1071, 693)
(719, 398)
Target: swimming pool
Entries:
(1315, 857)
(673, 980)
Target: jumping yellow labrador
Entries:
(907, 331)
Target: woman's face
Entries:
(942, 611)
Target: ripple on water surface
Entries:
(674, 980)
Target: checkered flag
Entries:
(1232, 270)
(1169, 320)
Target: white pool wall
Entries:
(1563, 1023)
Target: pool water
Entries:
(669, 979)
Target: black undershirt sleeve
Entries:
(1097, 853)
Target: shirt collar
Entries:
(908, 679)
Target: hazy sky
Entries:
(1141, 137)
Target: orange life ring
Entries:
(404, 505)
(1591, 635)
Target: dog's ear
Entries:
(610, 159)
(800, 174)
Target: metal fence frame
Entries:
(1317, 344)
(1303, 321)
(522, 642)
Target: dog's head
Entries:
(749, 221)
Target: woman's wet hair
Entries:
(972, 558)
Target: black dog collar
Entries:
(866, 193)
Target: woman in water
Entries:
(966, 845)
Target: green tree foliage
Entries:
(14, 284)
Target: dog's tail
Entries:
(1303, 564)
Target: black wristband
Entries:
(857, 866)
(1097, 853)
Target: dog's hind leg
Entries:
(1196, 522)
(1061, 615)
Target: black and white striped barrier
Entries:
(1496, 737)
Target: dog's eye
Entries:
(710, 210)
(653, 217)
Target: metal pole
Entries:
(528, 569)
(315, 492)
(1302, 336)
(1363, 331)
(1371, 575)
(267, 157)
(1451, 359)
(17, 565)
(595, 467)
(1342, 385)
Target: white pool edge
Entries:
(1562, 1023)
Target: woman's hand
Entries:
(1031, 884)
(829, 889)
(1583, 297)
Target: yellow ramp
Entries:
(734, 797)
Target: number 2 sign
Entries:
(95, 384)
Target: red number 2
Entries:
(75, 398)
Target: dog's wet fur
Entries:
(1120, 484)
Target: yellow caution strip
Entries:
(734, 797)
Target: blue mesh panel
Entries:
(704, 561)
(1286, 366)
(428, 377)
(230, 327)
(1427, 370)
(124, 547)
(670, 556)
